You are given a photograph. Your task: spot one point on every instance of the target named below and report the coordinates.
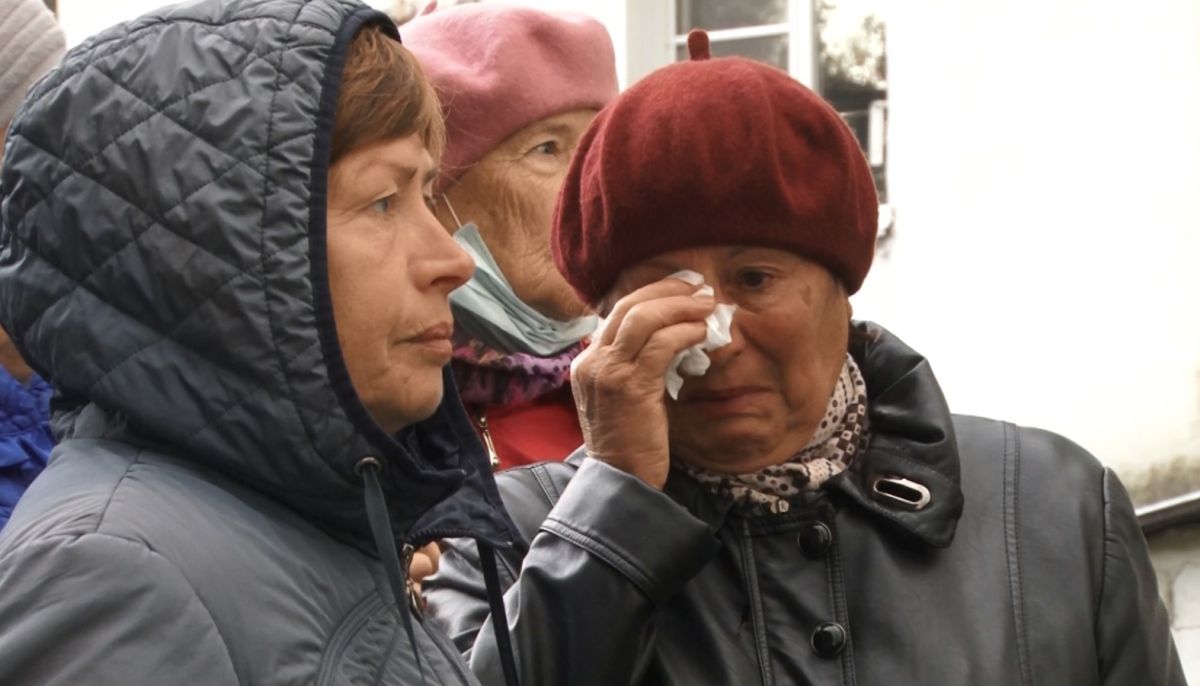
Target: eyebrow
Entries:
(401, 171)
(555, 127)
(660, 263)
(736, 250)
(551, 128)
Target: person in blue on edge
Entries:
(31, 43)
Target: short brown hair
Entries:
(384, 95)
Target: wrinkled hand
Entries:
(618, 382)
(424, 563)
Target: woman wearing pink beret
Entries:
(807, 510)
(518, 87)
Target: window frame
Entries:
(797, 27)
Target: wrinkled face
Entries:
(510, 194)
(765, 392)
(391, 270)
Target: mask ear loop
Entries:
(453, 214)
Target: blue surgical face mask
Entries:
(487, 309)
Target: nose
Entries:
(444, 265)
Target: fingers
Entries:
(663, 288)
(648, 319)
(664, 344)
(434, 552)
(422, 566)
(602, 372)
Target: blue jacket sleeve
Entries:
(25, 438)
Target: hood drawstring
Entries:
(491, 579)
(385, 544)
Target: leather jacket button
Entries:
(829, 639)
(815, 539)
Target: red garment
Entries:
(546, 428)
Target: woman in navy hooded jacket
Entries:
(216, 244)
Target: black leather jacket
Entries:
(1025, 566)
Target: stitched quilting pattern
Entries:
(150, 170)
(155, 255)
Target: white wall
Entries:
(1045, 170)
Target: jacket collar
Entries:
(909, 475)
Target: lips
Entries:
(436, 341)
(721, 395)
(435, 333)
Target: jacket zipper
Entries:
(486, 434)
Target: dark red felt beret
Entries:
(714, 152)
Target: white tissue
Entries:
(694, 360)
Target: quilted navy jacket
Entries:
(162, 262)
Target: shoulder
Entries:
(72, 495)
(159, 532)
(1042, 473)
(205, 523)
(88, 607)
(1049, 494)
(1034, 457)
(75, 538)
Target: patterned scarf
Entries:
(486, 376)
(841, 435)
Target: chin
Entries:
(406, 411)
(733, 438)
(424, 407)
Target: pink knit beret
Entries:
(714, 152)
(499, 68)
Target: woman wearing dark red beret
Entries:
(807, 510)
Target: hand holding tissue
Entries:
(694, 361)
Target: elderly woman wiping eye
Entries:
(809, 510)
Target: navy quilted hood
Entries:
(163, 257)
